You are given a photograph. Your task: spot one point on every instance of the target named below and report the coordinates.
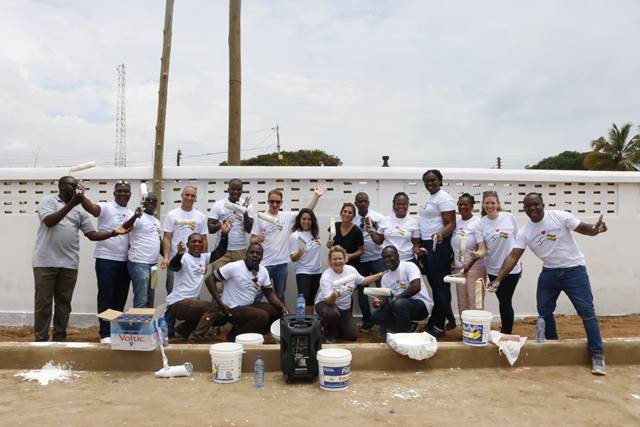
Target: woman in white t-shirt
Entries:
(398, 229)
(304, 249)
(496, 236)
(465, 258)
(333, 302)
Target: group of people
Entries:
(246, 273)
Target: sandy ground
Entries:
(568, 327)
(521, 396)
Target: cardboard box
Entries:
(133, 330)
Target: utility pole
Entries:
(499, 162)
(277, 129)
(162, 104)
(121, 118)
(235, 93)
(178, 157)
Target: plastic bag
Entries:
(509, 345)
(418, 346)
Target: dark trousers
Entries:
(198, 316)
(366, 269)
(113, 288)
(53, 287)
(256, 318)
(397, 315)
(505, 294)
(308, 285)
(337, 323)
(436, 266)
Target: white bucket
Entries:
(226, 362)
(476, 325)
(250, 339)
(334, 366)
(275, 330)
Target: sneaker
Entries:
(597, 365)
(434, 332)
(381, 333)
(450, 326)
(365, 328)
(105, 340)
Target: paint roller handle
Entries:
(493, 286)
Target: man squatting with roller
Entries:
(548, 234)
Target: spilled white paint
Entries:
(49, 373)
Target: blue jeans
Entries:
(278, 274)
(397, 315)
(113, 289)
(574, 281)
(367, 268)
(141, 281)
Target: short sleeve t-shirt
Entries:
(498, 235)
(144, 240)
(188, 280)
(238, 237)
(398, 232)
(111, 216)
(59, 246)
(551, 240)
(465, 235)
(371, 251)
(242, 285)
(399, 280)
(350, 241)
(430, 213)
(276, 240)
(345, 290)
(309, 262)
(182, 224)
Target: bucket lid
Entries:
(250, 338)
(477, 313)
(226, 347)
(334, 353)
(275, 328)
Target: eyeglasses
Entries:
(275, 202)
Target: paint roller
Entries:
(344, 280)
(332, 228)
(377, 292)
(235, 207)
(479, 286)
(82, 166)
(167, 371)
(463, 247)
(270, 219)
(455, 279)
(302, 243)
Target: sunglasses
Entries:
(275, 202)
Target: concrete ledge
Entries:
(377, 356)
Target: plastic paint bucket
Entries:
(476, 325)
(226, 362)
(334, 366)
(275, 330)
(250, 339)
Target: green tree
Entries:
(292, 158)
(567, 160)
(619, 152)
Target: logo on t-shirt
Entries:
(401, 231)
(401, 285)
(184, 224)
(198, 270)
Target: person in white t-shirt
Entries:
(548, 235)
(437, 218)
(145, 243)
(178, 225)
(464, 245)
(242, 281)
(304, 250)
(409, 300)
(183, 303)
(272, 232)
(240, 212)
(398, 229)
(371, 258)
(496, 236)
(111, 255)
(333, 301)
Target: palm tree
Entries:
(617, 153)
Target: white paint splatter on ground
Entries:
(47, 374)
(636, 396)
(79, 345)
(406, 394)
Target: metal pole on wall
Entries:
(233, 154)
(162, 104)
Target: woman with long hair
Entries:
(304, 248)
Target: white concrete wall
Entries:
(612, 258)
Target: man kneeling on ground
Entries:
(242, 281)
(183, 302)
(409, 300)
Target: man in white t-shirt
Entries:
(111, 255)
(548, 235)
(371, 258)
(240, 213)
(242, 281)
(409, 301)
(178, 225)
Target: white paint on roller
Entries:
(79, 345)
(344, 280)
(82, 166)
(236, 208)
(47, 374)
(378, 292)
(455, 279)
(636, 396)
(479, 286)
(332, 228)
(270, 219)
(144, 191)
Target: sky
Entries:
(429, 83)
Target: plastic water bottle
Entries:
(540, 330)
(258, 372)
(164, 328)
(300, 305)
